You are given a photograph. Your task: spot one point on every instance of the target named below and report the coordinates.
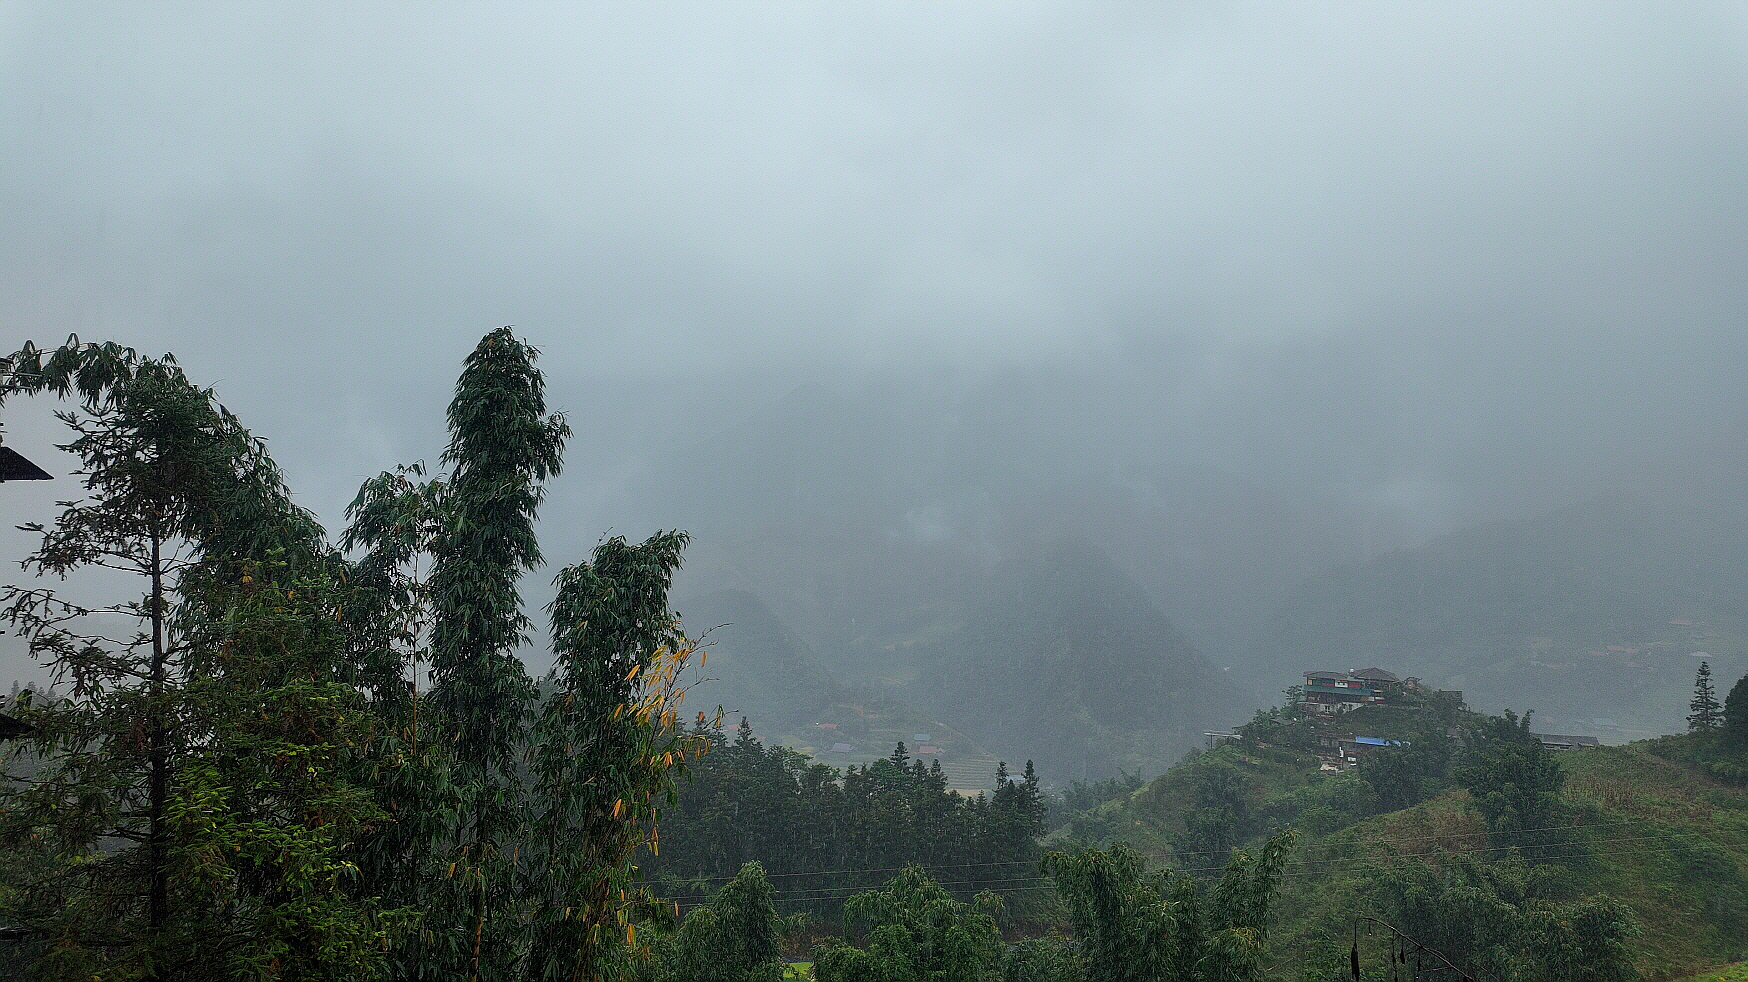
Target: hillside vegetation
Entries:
(1061, 658)
(1637, 840)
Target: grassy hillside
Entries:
(1669, 843)
(1660, 836)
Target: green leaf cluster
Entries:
(192, 798)
(828, 835)
(253, 783)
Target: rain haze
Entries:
(874, 298)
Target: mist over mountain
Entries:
(1596, 615)
(880, 301)
(1064, 658)
(847, 509)
(753, 665)
(889, 530)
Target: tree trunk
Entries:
(158, 778)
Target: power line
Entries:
(1580, 848)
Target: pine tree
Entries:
(195, 791)
(1706, 713)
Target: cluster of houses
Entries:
(1335, 692)
(1338, 752)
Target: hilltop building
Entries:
(1334, 692)
(1344, 750)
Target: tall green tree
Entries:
(502, 446)
(1733, 727)
(520, 808)
(1705, 714)
(608, 744)
(195, 792)
(1137, 925)
(914, 931)
(449, 761)
(385, 619)
(734, 938)
(1514, 782)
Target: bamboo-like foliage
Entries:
(210, 780)
(517, 820)
(1137, 925)
(502, 446)
(448, 765)
(608, 744)
(736, 937)
(914, 929)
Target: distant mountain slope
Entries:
(1596, 615)
(867, 514)
(754, 665)
(1066, 657)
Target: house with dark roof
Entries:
(1334, 692)
(1377, 678)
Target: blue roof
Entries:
(1379, 742)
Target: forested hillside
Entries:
(1468, 837)
(322, 760)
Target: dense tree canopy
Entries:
(826, 835)
(1136, 925)
(1514, 782)
(251, 785)
(1734, 726)
(1502, 920)
(197, 791)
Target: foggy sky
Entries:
(1443, 262)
